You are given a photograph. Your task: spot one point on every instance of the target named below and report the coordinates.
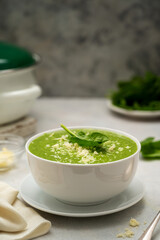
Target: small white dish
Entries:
(34, 196)
(133, 113)
(11, 149)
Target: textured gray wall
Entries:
(86, 46)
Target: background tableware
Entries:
(11, 149)
(18, 88)
(133, 113)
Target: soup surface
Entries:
(57, 146)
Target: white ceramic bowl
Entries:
(18, 91)
(83, 183)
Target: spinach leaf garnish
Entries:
(150, 149)
(94, 139)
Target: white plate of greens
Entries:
(137, 97)
(133, 113)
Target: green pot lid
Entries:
(12, 57)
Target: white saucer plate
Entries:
(133, 113)
(34, 196)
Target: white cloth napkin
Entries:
(17, 221)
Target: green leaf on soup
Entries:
(94, 139)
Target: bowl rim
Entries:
(35, 56)
(84, 127)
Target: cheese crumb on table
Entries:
(120, 235)
(133, 223)
(128, 233)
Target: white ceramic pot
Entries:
(18, 91)
(83, 183)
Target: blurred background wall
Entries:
(86, 45)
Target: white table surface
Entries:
(50, 113)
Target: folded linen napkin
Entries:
(17, 221)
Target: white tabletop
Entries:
(50, 113)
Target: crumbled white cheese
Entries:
(112, 147)
(120, 235)
(68, 145)
(120, 149)
(87, 159)
(128, 147)
(54, 147)
(95, 152)
(76, 145)
(63, 137)
(83, 153)
(6, 158)
(128, 233)
(133, 223)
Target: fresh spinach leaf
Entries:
(94, 139)
(138, 93)
(150, 149)
(147, 140)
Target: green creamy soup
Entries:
(57, 146)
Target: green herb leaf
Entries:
(94, 139)
(150, 149)
(138, 93)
